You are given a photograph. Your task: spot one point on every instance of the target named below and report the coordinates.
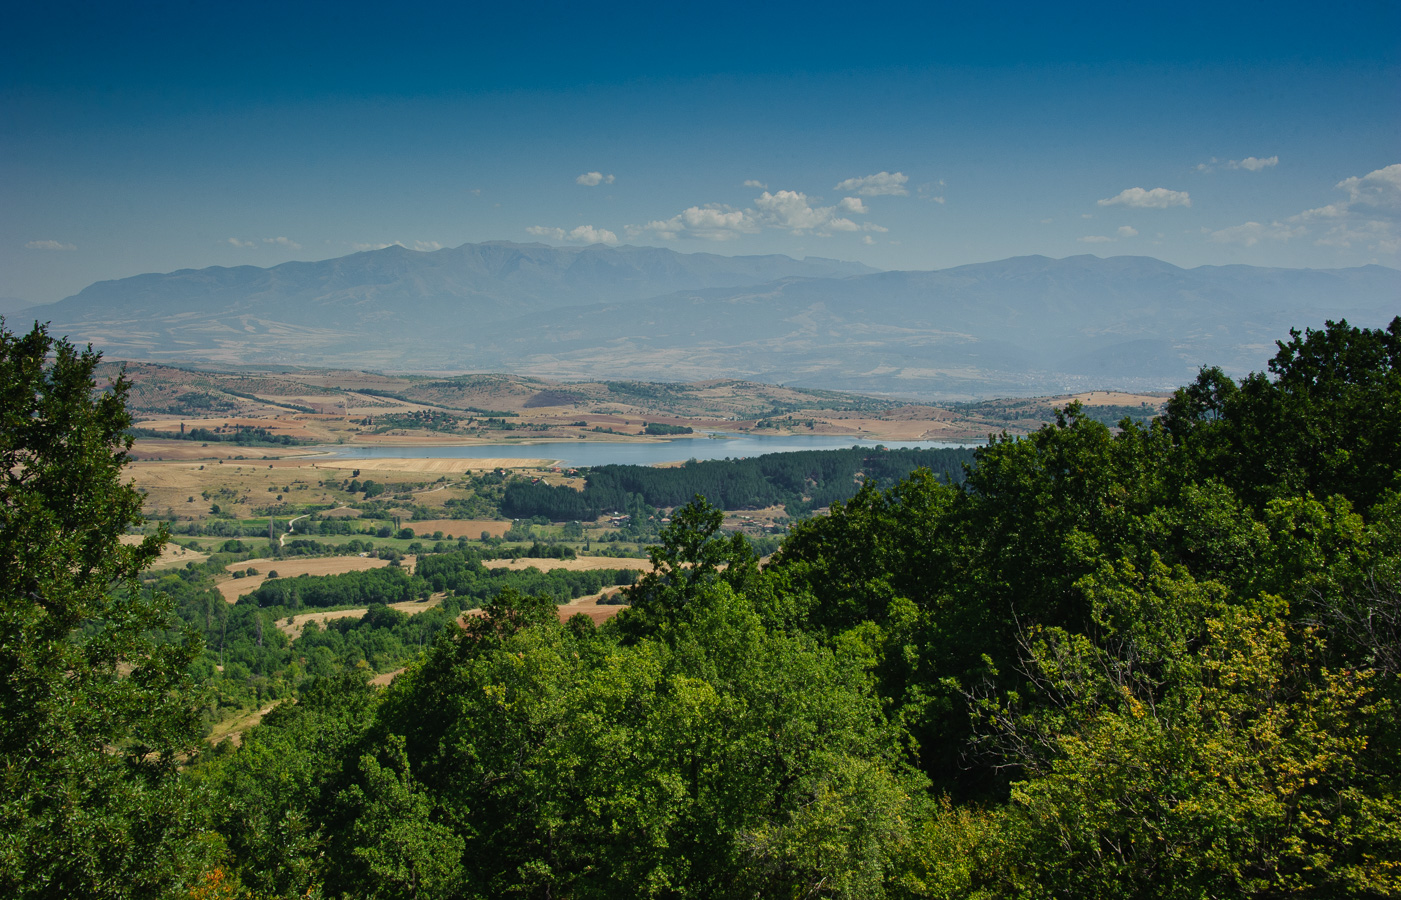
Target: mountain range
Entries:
(1021, 326)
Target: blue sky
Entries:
(160, 136)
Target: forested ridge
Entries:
(802, 480)
(1154, 662)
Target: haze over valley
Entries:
(1016, 327)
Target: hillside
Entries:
(335, 405)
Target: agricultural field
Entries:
(232, 588)
(234, 465)
(248, 413)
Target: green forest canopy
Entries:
(1154, 663)
(803, 480)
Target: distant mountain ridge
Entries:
(491, 279)
(1025, 325)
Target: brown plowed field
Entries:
(456, 528)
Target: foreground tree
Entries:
(92, 717)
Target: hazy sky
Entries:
(166, 135)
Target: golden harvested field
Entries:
(233, 729)
(582, 564)
(294, 625)
(233, 588)
(156, 449)
(588, 605)
(1117, 398)
(456, 528)
(172, 556)
(176, 475)
(237, 486)
(288, 425)
(414, 607)
(384, 679)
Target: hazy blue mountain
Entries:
(1029, 324)
(487, 281)
(1017, 326)
(10, 305)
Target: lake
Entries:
(602, 453)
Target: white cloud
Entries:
(1127, 231)
(933, 191)
(1252, 233)
(1157, 198)
(708, 223)
(246, 245)
(881, 183)
(582, 234)
(1381, 188)
(1095, 239)
(427, 246)
(1370, 218)
(593, 179)
(1253, 163)
(868, 240)
(1331, 211)
(791, 211)
(283, 242)
(1249, 164)
(49, 245)
(1374, 234)
(750, 182)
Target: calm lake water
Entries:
(602, 453)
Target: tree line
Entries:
(243, 435)
(802, 480)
